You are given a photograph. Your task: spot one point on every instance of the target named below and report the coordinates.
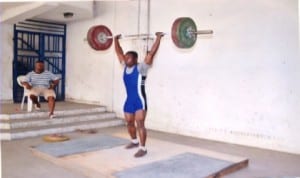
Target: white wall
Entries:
(6, 58)
(240, 85)
(94, 76)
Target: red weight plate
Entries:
(97, 37)
(90, 37)
(175, 31)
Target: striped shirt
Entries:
(41, 80)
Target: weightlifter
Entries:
(135, 107)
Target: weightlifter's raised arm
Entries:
(150, 56)
(118, 49)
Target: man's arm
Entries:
(26, 82)
(27, 86)
(118, 49)
(54, 80)
(53, 84)
(151, 54)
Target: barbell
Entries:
(184, 34)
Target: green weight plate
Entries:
(182, 32)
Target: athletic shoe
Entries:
(140, 153)
(37, 107)
(52, 116)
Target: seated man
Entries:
(41, 82)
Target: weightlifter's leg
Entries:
(129, 117)
(140, 116)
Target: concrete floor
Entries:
(19, 162)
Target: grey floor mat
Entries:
(81, 145)
(186, 165)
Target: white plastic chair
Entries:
(20, 79)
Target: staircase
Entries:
(24, 125)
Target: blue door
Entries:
(37, 40)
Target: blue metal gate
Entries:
(37, 40)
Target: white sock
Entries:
(135, 141)
(143, 148)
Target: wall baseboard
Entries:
(82, 101)
(6, 101)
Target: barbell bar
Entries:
(129, 36)
(184, 34)
(200, 32)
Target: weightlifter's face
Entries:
(130, 60)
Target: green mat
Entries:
(81, 145)
(186, 165)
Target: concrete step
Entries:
(41, 114)
(58, 128)
(60, 119)
(23, 124)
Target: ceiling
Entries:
(7, 5)
(13, 12)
